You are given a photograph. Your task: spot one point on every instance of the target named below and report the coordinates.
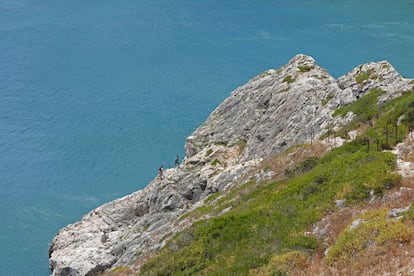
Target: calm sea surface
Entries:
(95, 95)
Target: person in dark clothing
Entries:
(177, 161)
(160, 172)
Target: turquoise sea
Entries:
(95, 95)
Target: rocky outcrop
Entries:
(373, 75)
(273, 111)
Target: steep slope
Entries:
(334, 214)
(272, 112)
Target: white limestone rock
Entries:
(270, 113)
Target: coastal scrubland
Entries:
(268, 228)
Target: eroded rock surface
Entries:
(272, 112)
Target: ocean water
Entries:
(95, 95)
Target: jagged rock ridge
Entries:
(273, 111)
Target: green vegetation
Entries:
(366, 107)
(303, 167)
(288, 79)
(387, 123)
(328, 98)
(375, 228)
(284, 263)
(220, 143)
(263, 231)
(411, 82)
(208, 152)
(241, 144)
(271, 218)
(360, 78)
(215, 162)
(264, 74)
(410, 213)
(304, 69)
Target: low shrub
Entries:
(363, 76)
(288, 79)
(215, 162)
(305, 68)
(374, 228)
(305, 166)
(410, 212)
(283, 264)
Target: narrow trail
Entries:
(405, 156)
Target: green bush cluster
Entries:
(215, 162)
(288, 79)
(363, 76)
(305, 68)
(282, 264)
(388, 123)
(305, 166)
(208, 152)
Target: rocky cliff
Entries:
(272, 112)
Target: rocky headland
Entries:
(272, 112)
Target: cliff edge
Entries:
(272, 112)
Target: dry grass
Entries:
(393, 259)
(289, 159)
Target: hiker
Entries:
(177, 161)
(160, 171)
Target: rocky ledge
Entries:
(273, 111)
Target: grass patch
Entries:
(386, 124)
(304, 69)
(220, 143)
(305, 166)
(215, 162)
(375, 229)
(284, 263)
(212, 197)
(208, 152)
(327, 99)
(241, 145)
(365, 107)
(264, 74)
(360, 78)
(288, 79)
(410, 212)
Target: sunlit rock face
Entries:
(270, 113)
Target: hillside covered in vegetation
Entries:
(295, 172)
(270, 227)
